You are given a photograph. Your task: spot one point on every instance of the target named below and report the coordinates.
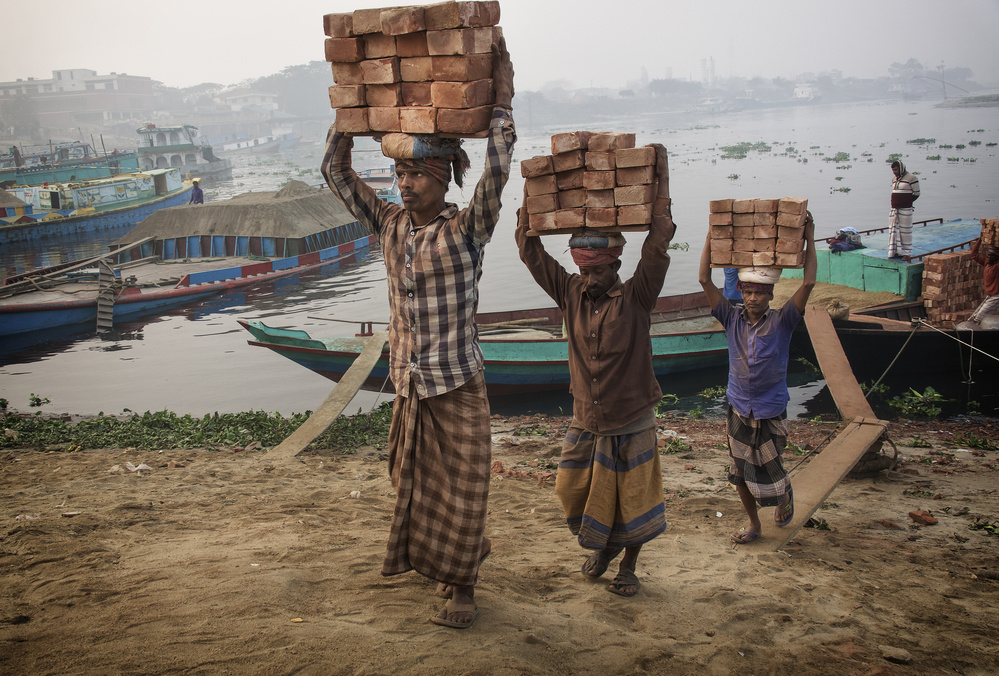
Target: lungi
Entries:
(989, 306)
(900, 232)
(755, 448)
(440, 451)
(611, 485)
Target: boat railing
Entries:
(874, 231)
(956, 247)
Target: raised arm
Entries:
(547, 272)
(359, 198)
(651, 271)
(713, 293)
(811, 263)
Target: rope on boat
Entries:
(901, 349)
(923, 322)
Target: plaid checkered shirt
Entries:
(433, 270)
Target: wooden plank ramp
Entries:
(334, 404)
(816, 480)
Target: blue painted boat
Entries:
(61, 162)
(524, 350)
(61, 209)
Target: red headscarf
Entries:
(438, 167)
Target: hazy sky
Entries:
(585, 42)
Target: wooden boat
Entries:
(180, 255)
(181, 146)
(524, 350)
(61, 162)
(385, 183)
(80, 207)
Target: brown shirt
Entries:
(610, 351)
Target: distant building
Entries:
(79, 96)
(248, 100)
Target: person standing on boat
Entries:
(609, 479)
(197, 195)
(904, 192)
(759, 338)
(987, 256)
(439, 440)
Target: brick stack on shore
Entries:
(953, 286)
(419, 70)
(592, 180)
(758, 232)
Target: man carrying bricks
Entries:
(439, 439)
(758, 342)
(609, 480)
(988, 256)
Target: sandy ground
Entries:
(221, 561)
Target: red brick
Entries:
(568, 161)
(384, 119)
(764, 244)
(542, 221)
(541, 185)
(367, 21)
(634, 194)
(464, 120)
(462, 94)
(764, 258)
(600, 161)
(569, 141)
(460, 41)
(789, 220)
(786, 232)
(418, 120)
(536, 166)
(789, 245)
(721, 259)
(572, 199)
(722, 218)
(634, 214)
(765, 218)
(720, 206)
(378, 46)
(445, 15)
(793, 205)
(416, 94)
(605, 141)
(719, 244)
(570, 218)
(338, 25)
(416, 69)
(742, 258)
(403, 20)
(636, 175)
(347, 96)
(597, 199)
(383, 95)
(789, 260)
(721, 231)
(743, 206)
(569, 180)
(462, 68)
(347, 73)
(740, 244)
(743, 220)
(411, 44)
(765, 206)
(344, 50)
(380, 71)
(539, 204)
(352, 120)
(765, 231)
(635, 157)
(599, 180)
(601, 218)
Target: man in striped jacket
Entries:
(904, 192)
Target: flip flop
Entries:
(444, 589)
(790, 515)
(594, 567)
(450, 608)
(624, 579)
(744, 537)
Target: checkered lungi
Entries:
(756, 448)
(439, 458)
(611, 485)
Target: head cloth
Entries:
(590, 248)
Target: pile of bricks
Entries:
(953, 286)
(418, 70)
(592, 180)
(990, 231)
(758, 232)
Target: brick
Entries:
(416, 93)
(347, 96)
(344, 50)
(352, 120)
(764, 244)
(411, 44)
(721, 231)
(721, 245)
(569, 180)
(383, 95)
(461, 41)
(536, 166)
(601, 218)
(634, 214)
(765, 206)
(570, 218)
(635, 157)
(539, 204)
(416, 69)
(719, 206)
(789, 245)
(384, 119)
(743, 206)
(634, 194)
(790, 260)
(380, 71)
(721, 218)
(569, 141)
(793, 205)
(347, 73)
(785, 232)
(339, 25)
(789, 220)
(763, 258)
(462, 68)
(607, 141)
(367, 21)
(598, 199)
(743, 219)
(743, 245)
(721, 258)
(542, 221)
(401, 20)
(464, 121)
(445, 15)
(568, 161)
(418, 120)
(742, 258)
(541, 185)
(765, 231)
(636, 175)
(765, 218)
(599, 180)
(462, 94)
(740, 232)
(572, 199)
(378, 46)
(600, 161)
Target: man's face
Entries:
(897, 171)
(598, 279)
(420, 191)
(757, 302)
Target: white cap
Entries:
(759, 275)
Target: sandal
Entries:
(744, 537)
(787, 509)
(443, 618)
(596, 564)
(625, 583)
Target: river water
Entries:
(196, 360)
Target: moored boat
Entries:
(181, 146)
(59, 162)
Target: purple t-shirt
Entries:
(757, 358)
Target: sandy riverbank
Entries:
(221, 561)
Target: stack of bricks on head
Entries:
(417, 70)
(758, 232)
(593, 181)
